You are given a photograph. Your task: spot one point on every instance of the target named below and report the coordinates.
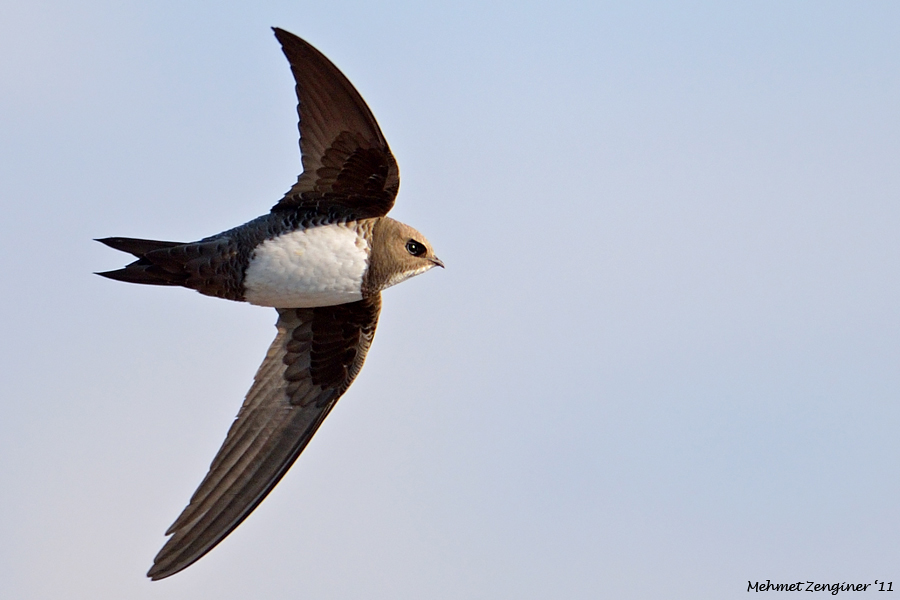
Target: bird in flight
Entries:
(320, 257)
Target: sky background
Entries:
(663, 360)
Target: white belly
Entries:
(319, 266)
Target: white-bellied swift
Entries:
(321, 257)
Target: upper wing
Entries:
(346, 160)
(314, 358)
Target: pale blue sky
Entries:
(664, 358)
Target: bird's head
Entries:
(398, 253)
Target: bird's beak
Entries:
(437, 261)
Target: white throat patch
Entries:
(319, 266)
(401, 277)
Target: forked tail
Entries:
(213, 266)
(150, 268)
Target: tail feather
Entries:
(145, 270)
(136, 273)
(135, 247)
(212, 266)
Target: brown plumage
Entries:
(313, 360)
(348, 184)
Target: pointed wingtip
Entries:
(156, 573)
(286, 38)
(281, 34)
(167, 564)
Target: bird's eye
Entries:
(415, 248)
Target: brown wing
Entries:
(314, 358)
(346, 160)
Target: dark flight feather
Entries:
(346, 161)
(315, 357)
